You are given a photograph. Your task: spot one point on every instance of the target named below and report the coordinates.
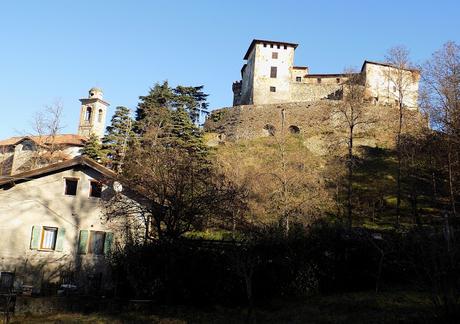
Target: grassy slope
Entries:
(390, 307)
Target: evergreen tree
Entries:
(93, 148)
(183, 133)
(119, 135)
(193, 100)
(153, 110)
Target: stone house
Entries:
(269, 76)
(52, 223)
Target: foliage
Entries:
(93, 148)
(119, 136)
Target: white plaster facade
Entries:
(37, 199)
(259, 85)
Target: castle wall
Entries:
(314, 92)
(262, 81)
(317, 121)
(247, 81)
(381, 87)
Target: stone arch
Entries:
(293, 129)
(269, 130)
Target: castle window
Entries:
(338, 80)
(99, 116)
(318, 80)
(265, 45)
(272, 89)
(274, 55)
(279, 47)
(294, 129)
(273, 72)
(271, 45)
(285, 47)
(298, 79)
(88, 113)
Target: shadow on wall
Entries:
(62, 275)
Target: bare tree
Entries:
(441, 80)
(400, 78)
(46, 126)
(352, 113)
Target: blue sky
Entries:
(57, 50)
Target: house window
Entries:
(88, 114)
(94, 242)
(274, 55)
(71, 185)
(273, 72)
(272, 89)
(318, 80)
(48, 241)
(95, 189)
(99, 116)
(298, 79)
(47, 238)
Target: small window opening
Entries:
(294, 129)
(88, 113)
(298, 79)
(318, 80)
(95, 189)
(274, 55)
(271, 45)
(265, 45)
(285, 47)
(279, 47)
(269, 130)
(99, 116)
(272, 89)
(273, 72)
(71, 186)
(48, 239)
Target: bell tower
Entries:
(92, 114)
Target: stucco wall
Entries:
(42, 202)
(380, 84)
(262, 79)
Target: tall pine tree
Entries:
(93, 149)
(119, 135)
(153, 110)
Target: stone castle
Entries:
(269, 76)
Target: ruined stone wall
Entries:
(314, 92)
(317, 122)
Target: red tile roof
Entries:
(61, 139)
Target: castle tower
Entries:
(92, 114)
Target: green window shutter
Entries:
(108, 242)
(83, 242)
(35, 238)
(60, 240)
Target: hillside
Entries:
(299, 168)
